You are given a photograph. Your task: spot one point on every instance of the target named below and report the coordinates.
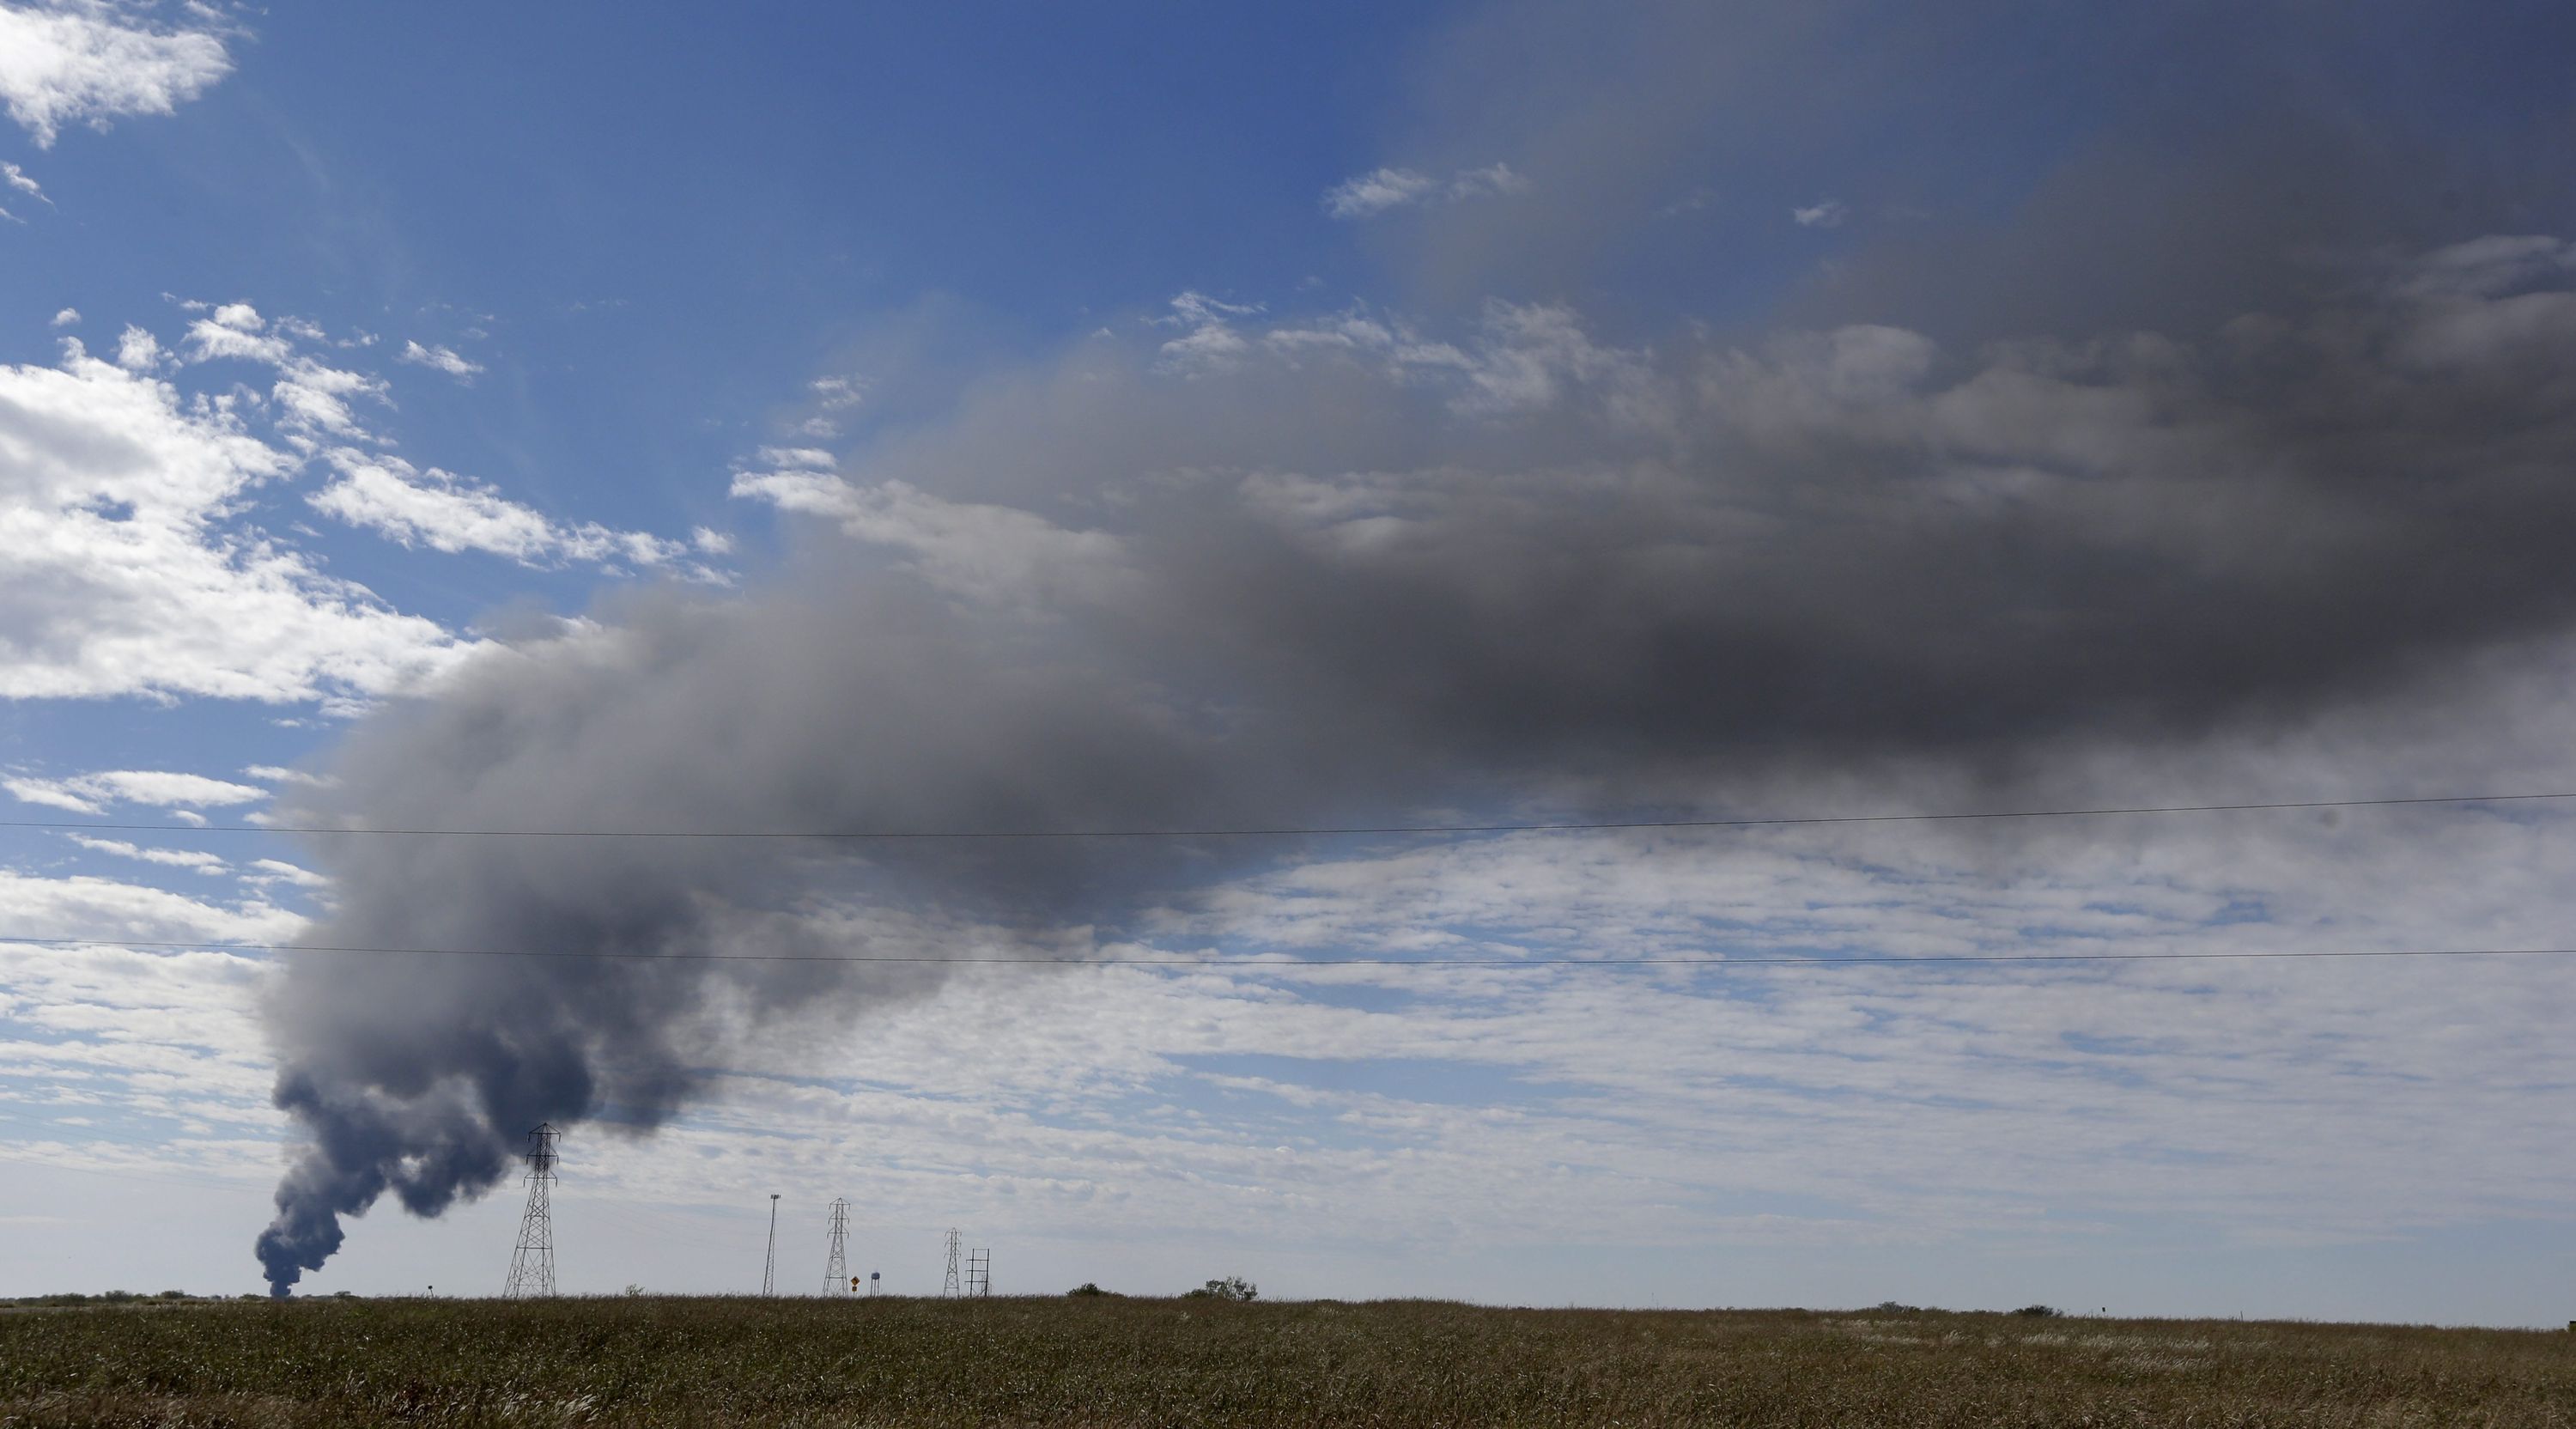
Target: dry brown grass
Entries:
(1161, 1362)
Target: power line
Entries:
(1299, 831)
(1255, 963)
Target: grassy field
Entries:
(1112, 1361)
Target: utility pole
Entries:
(836, 1266)
(979, 1274)
(532, 1265)
(949, 1288)
(769, 1268)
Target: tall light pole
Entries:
(769, 1270)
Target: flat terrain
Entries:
(1112, 1361)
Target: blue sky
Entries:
(1155, 415)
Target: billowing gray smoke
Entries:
(1270, 571)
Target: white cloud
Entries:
(93, 793)
(103, 908)
(836, 393)
(194, 860)
(66, 317)
(280, 774)
(434, 508)
(1379, 190)
(315, 408)
(313, 400)
(89, 61)
(1828, 213)
(16, 178)
(445, 359)
(451, 513)
(1524, 357)
(1212, 344)
(275, 871)
(138, 351)
(1491, 181)
(992, 555)
(124, 568)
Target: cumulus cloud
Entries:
(443, 359)
(124, 568)
(315, 403)
(323, 413)
(138, 351)
(67, 317)
(91, 61)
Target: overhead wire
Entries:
(1282, 831)
(1271, 962)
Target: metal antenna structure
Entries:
(769, 1267)
(836, 1266)
(979, 1273)
(532, 1265)
(948, 1288)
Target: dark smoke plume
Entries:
(1335, 569)
(1604, 572)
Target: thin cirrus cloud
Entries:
(1381, 190)
(93, 61)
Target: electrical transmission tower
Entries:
(836, 1266)
(949, 1287)
(979, 1273)
(532, 1265)
(769, 1267)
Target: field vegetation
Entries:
(1104, 1360)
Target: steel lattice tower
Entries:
(836, 1266)
(769, 1267)
(979, 1273)
(949, 1287)
(532, 1265)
